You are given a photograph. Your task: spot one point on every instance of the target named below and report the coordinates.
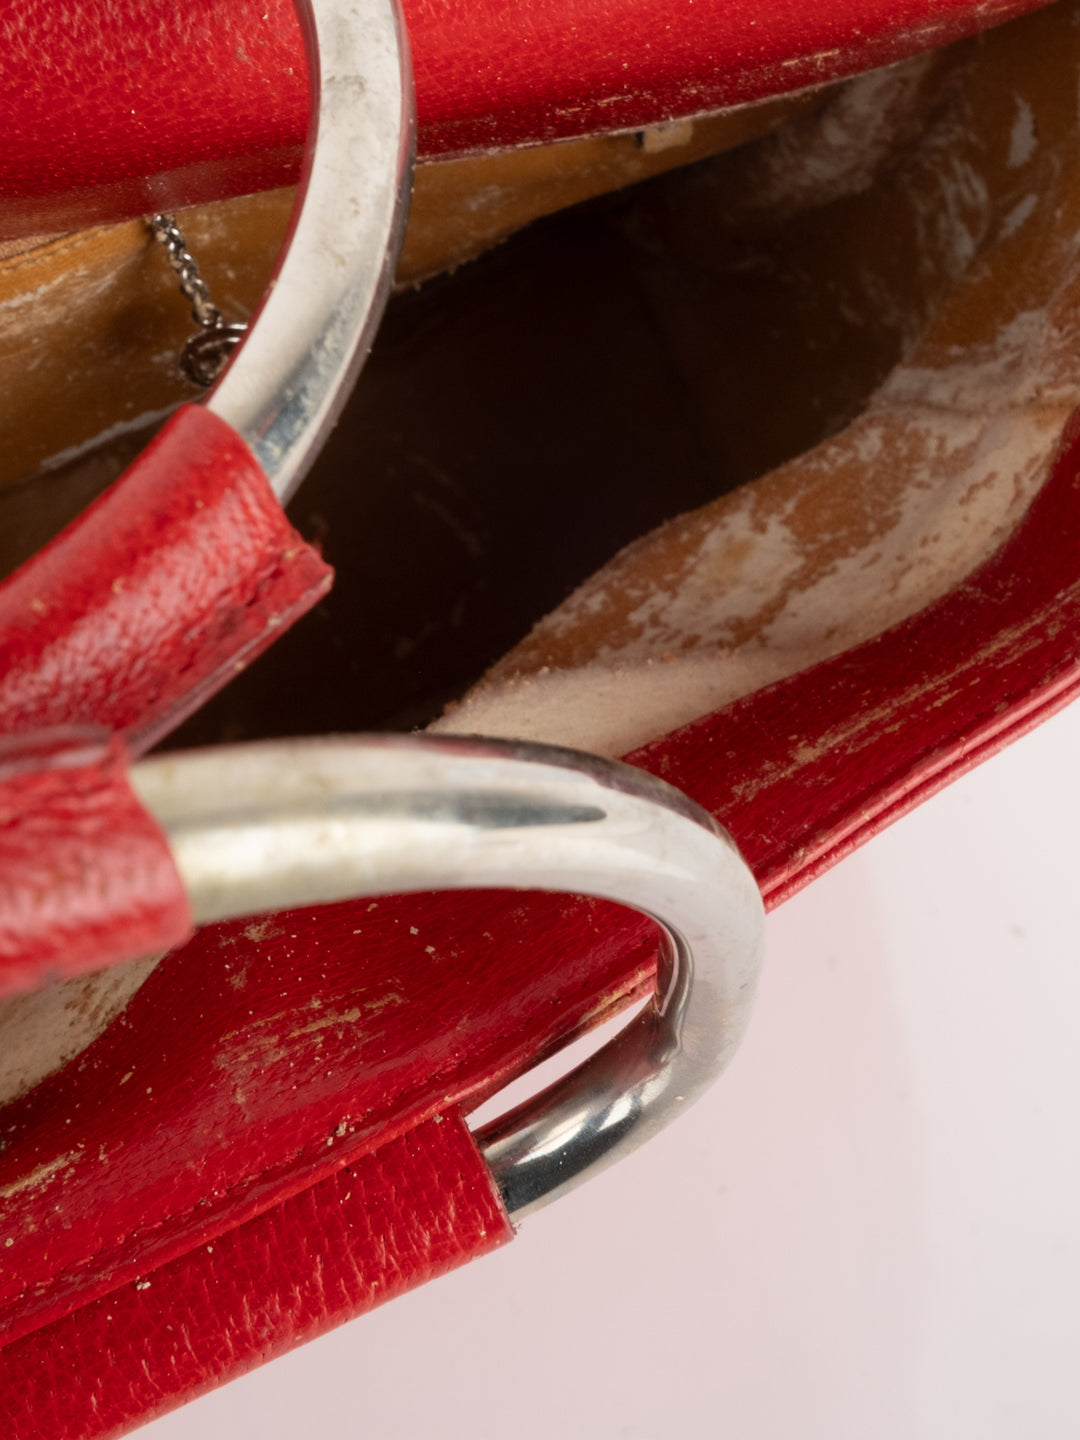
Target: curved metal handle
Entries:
(293, 372)
(256, 828)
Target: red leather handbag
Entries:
(291, 1082)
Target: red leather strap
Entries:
(174, 579)
(417, 1208)
(205, 99)
(264, 1055)
(83, 868)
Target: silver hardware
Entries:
(204, 355)
(192, 286)
(257, 828)
(318, 319)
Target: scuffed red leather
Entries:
(417, 1208)
(491, 74)
(174, 579)
(122, 107)
(83, 868)
(266, 1054)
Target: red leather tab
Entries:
(196, 101)
(171, 582)
(413, 1210)
(84, 871)
(265, 1055)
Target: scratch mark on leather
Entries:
(39, 1178)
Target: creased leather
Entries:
(415, 1209)
(198, 101)
(83, 868)
(171, 582)
(809, 769)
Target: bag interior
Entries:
(775, 381)
(523, 415)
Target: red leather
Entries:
(265, 1055)
(174, 579)
(83, 868)
(127, 106)
(806, 771)
(420, 1206)
(269, 1136)
(185, 1119)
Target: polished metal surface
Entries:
(308, 339)
(265, 827)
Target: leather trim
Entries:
(171, 582)
(84, 870)
(158, 131)
(416, 1208)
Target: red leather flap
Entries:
(265, 1055)
(192, 102)
(417, 1208)
(490, 74)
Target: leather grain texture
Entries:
(194, 102)
(417, 1208)
(175, 578)
(83, 868)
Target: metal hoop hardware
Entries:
(309, 338)
(256, 828)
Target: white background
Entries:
(867, 1231)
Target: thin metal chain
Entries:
(203, 357)
(192, 285)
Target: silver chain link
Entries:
(192, 286)
(205, 354)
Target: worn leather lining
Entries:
(93, 321)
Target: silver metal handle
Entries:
(309, 338)
(265, 827)
(257, 828)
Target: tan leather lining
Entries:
(92, 322)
